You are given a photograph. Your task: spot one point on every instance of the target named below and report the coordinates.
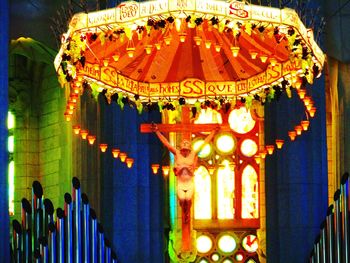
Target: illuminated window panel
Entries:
(204, 244)
(205, 152)
(208, 115)
(241, 120)
(202, 196)
(227, 244)
(250, 243)
(225, 187)
(225, 143)
(10, 143)
(11, 183)
(249, 148)
(215, 257)
(249, 193)
(10, 120)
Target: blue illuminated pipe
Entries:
(26, 225)
(44, 249)
(37, 256)
(338, 228)
(69, 227)
(86, 228)
(17, 241)
(317, 254)
(108, 251)
(344, 187)
(94, 237)
(48, 215)
(52, 243)
(114, 257)
(37, 204)
(330, 234)
(60, 235)
(77, 219)
(323, 242)
(101, 244)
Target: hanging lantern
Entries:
(158, 46)
(273, 62)
(211, 169)
(105, 62)
(84, 134)
(130, 51)
(235, 51)
(148, 49)
(197, 40)
(74, 97)
(165, 170)
(116, 57)
(67, 116)
(76, 129)
(253, 54)
(115, 153)
(155, 168)
(309, 107)
(167, 40)
(298, 83)
(301, 93)
(69, 110)
(122, 156)
(129, 162)
(279, 143)
(270, 149)
(91, 139)
(207, 44)
(263, 58)
(292, 135)
(80, 78)
(312, 111)
(76, 89)
(182, 37)
(257, 158)
(97, 67)
(305, 125)
(263, 154)
(103, 147)
(71, 104)
(298, 129)
(218, 48)
(306, 100)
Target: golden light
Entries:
(67, 116)
(206, 150)
(298, 83)
(211, 169)
(257, 158)
(165, 170)
(312, 111)
(158, 46)
(84, 134)
(129, 162)
(123, 156)
(76, 89)
(249, 147)
(91, 139)
(298, 129)
(97, 67)
(305, 125)
(74, 97)
(148, 49)
(207, 44)
(253, 54)
(217, 47)
(263, 154)
(76, 129)
(116, 57)
(105, 62)
(309, 107)
(71, 104)
(301, 93)
(130, 51)
(273, 62)
(270, 149)
(235, 51)
(197, 40)
(204, 244)
(155, 168)
(306, 100)
(115, 153)
(263, 58)
(182, 37)
(227, 243)
(279, 143)
(292, 135)
(167, 40)
(103, 147)
(69, 110)
(80, 78)
(225, 143)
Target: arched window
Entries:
(249, 192)
(225, 190)
(202, 197)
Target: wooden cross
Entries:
(186, 128)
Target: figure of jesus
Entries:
(184, 166)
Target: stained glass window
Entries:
(11, 165)
(202, 198)
(249, 193)
(225, 190)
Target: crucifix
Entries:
(185, 162)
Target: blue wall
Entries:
(296, 178)
(4, 218)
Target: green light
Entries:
(10, 120)
(10, 143)
(11, 183)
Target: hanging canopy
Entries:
(193, 50)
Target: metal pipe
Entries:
(317, 250)
(52, 243)
(26, 225)
(69, 227)
(37, 256)
(101, 244)
(344, 187)
(17, 241)
(330, 234)
(48, 215)
(108, 251)
(86, 228)
(77, 219)
(37, 203)
(323, 242)
(60, 235)
(94, 237)
(44, 249)
(114, 257)
(338, 228)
